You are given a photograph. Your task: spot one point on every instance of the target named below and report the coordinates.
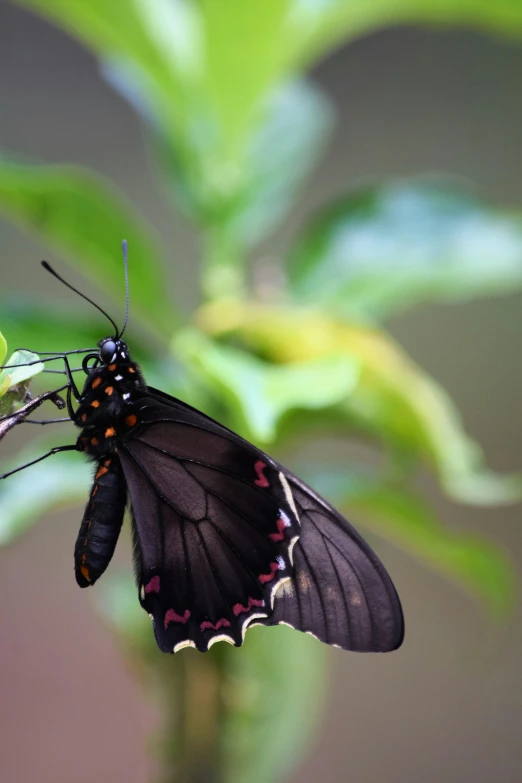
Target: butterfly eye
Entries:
(108, 351)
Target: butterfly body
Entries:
(224, 536)
(104, 415)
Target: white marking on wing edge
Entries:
(291, 545)
(288, 494)
(286, 589)
(142, 593)
(276, 587)
(312, 634)
(126, 396)
(281, 562)
(181, 645)
(248, 623)
(222, 637)
(118, 377)
(283, 622)
(253, 625)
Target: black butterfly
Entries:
(225, 537)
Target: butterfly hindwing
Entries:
(340, 591)
(214, 527)
(226, 537)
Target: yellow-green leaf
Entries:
(394, 401)
(264, 392)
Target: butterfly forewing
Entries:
(223, 528)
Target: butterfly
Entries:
(224, 537)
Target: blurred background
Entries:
(448, 705)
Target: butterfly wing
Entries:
(225, 537)
(340, 591)
(214, 529)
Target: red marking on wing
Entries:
(223, 623)
(172, 617)
(279, 536)
(261, 480)
(153, 586)
(263, 578)
(239, 608)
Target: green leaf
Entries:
(393, 401)
(159, 39)
(471, 561)
(387, 248)
(262, 744)
(281, 155)
(244, 49)
(317, 26)
(3, 348)
(261, 392)
(53, 327)
(254, 743)
(84, 218)
(61, 480)
(17, 375)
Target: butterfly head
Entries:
(112, 350)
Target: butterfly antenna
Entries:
(49, 268)
(126, 268)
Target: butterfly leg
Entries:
(47, 421)
(56, 450)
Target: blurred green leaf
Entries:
(281, 155)
(244, 49)
(256, 743)
(3, 348)
(159, 39)
(50, 326)
(61, 480)
(399, 515)
(394, 401)
(262, 743)
(318, 26)
(387, 248)
(16, 375)
(83, 217)
(263, 393)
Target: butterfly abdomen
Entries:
(101, 523)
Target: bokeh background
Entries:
(448, 705)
